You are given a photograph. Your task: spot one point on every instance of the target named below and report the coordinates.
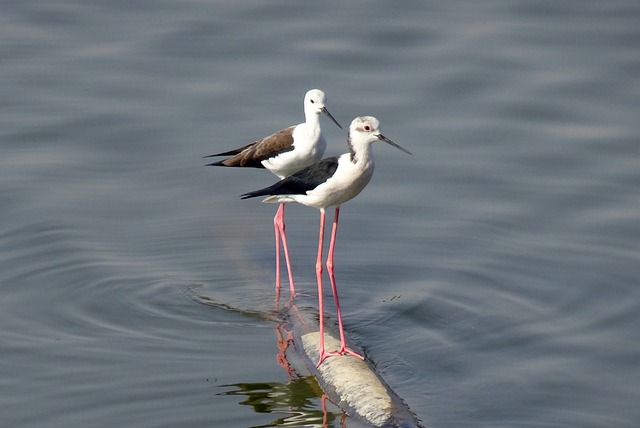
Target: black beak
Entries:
(325, 111)
(388, 141)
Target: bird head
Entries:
(366, 130)
(314, 103)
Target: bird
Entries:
(330, 183)
(284, 153)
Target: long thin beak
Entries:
(388, 141)
(325, 111)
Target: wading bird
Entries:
(284, 153)
(331, 182)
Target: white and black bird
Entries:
(331, 182)
(284, 153)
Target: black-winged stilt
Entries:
(331, 182)
(284, 153)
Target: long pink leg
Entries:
(276, 219)
(343, 344)
(278, 225)
(323, 354)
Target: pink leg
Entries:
(319, 278)
(343, 344)
(278, 225)
(276, 219)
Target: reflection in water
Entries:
(301, 398)
(297, 398)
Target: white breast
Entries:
(308, 147)
(345, 184)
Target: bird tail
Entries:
(224, 162)
(256, 193)
(219, 163)
(274, 189)
(234, 160)
(231, 152)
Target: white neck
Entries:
(360, 149)
(312, 117)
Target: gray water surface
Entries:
(492, 277)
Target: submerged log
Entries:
(351, 383)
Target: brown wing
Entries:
(232, 152)
(253, 154)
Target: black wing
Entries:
(302, 181)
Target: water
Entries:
(492, 277)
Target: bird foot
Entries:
(342, 352)
(347, 351)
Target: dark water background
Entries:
(493, 277)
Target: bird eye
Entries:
(312, 102)
(367, 128)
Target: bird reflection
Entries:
(297, 398)
(298, 402)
